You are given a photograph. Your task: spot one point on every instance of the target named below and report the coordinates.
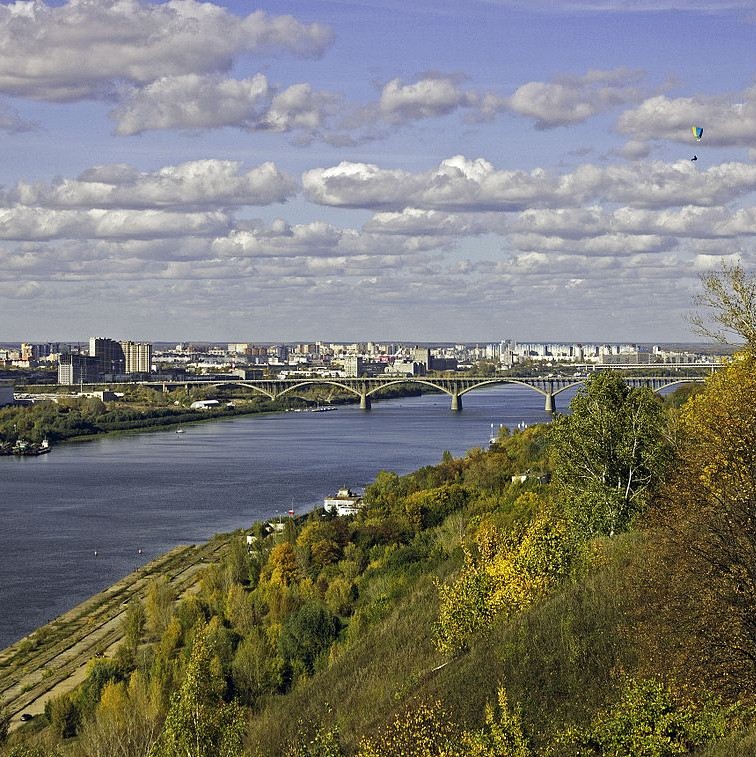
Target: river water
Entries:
(115, 496)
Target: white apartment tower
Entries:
(138, 356)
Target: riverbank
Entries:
(152, 491)
(53, 659)
(81, 419)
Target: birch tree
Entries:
(608, 454)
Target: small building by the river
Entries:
(346, 502)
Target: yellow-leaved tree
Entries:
(705, 545)
(505, 574)
(700, 586)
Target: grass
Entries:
(559, 661)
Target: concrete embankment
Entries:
(53, 659)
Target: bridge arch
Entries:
(455, 387)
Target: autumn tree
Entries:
(705, 537)
(256, 668)
(199, 722)
(608, 454)
(504, 575)
(423, 730)
(159, 604)
(503, 734)
(134, 623)
(125, 723)
(728, 300)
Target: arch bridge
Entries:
(455, 387)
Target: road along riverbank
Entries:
(53, 659)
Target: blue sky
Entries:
(345, 169)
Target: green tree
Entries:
(257, 670)
(63, 715)
(199, 722)
(134, 623)
(159, 604)
(608, 454)
(306, 633)
(649, 720)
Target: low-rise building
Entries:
(346, 502)
(204, 404)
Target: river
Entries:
(80, 518)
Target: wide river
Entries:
(114, 496)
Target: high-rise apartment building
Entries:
(138, 356)
(109, 354)
(78, 369)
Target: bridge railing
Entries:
(454, 386)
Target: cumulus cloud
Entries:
(402, 103)
(727, 120)
(431, 96)
(574, 99)
(22, 223)
(194, 184)
(612, 245)
(298, 107)
(685, 222)
(85, 48)
(460, 183)
(415, 221)
(192, 101)
(313, 240)
(635, 150)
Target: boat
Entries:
(179, 430)
(494, 439)
(23, 448)
(322, 409)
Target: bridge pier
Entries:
(456, 402)
(365, 403)
(550, 406)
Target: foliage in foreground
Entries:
(538, 606)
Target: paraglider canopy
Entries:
(697, 132)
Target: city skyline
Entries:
(436, 173)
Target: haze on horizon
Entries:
(460, 171)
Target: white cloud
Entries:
(298, 107)
(605, 245)
(431, 96)
(313, 240)
(85, 48)
(192, 101)
(194, 184)
(414, 221)
(574, 99)
(460, 183)
(689, 222)
(21, 223)
(727, 120)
